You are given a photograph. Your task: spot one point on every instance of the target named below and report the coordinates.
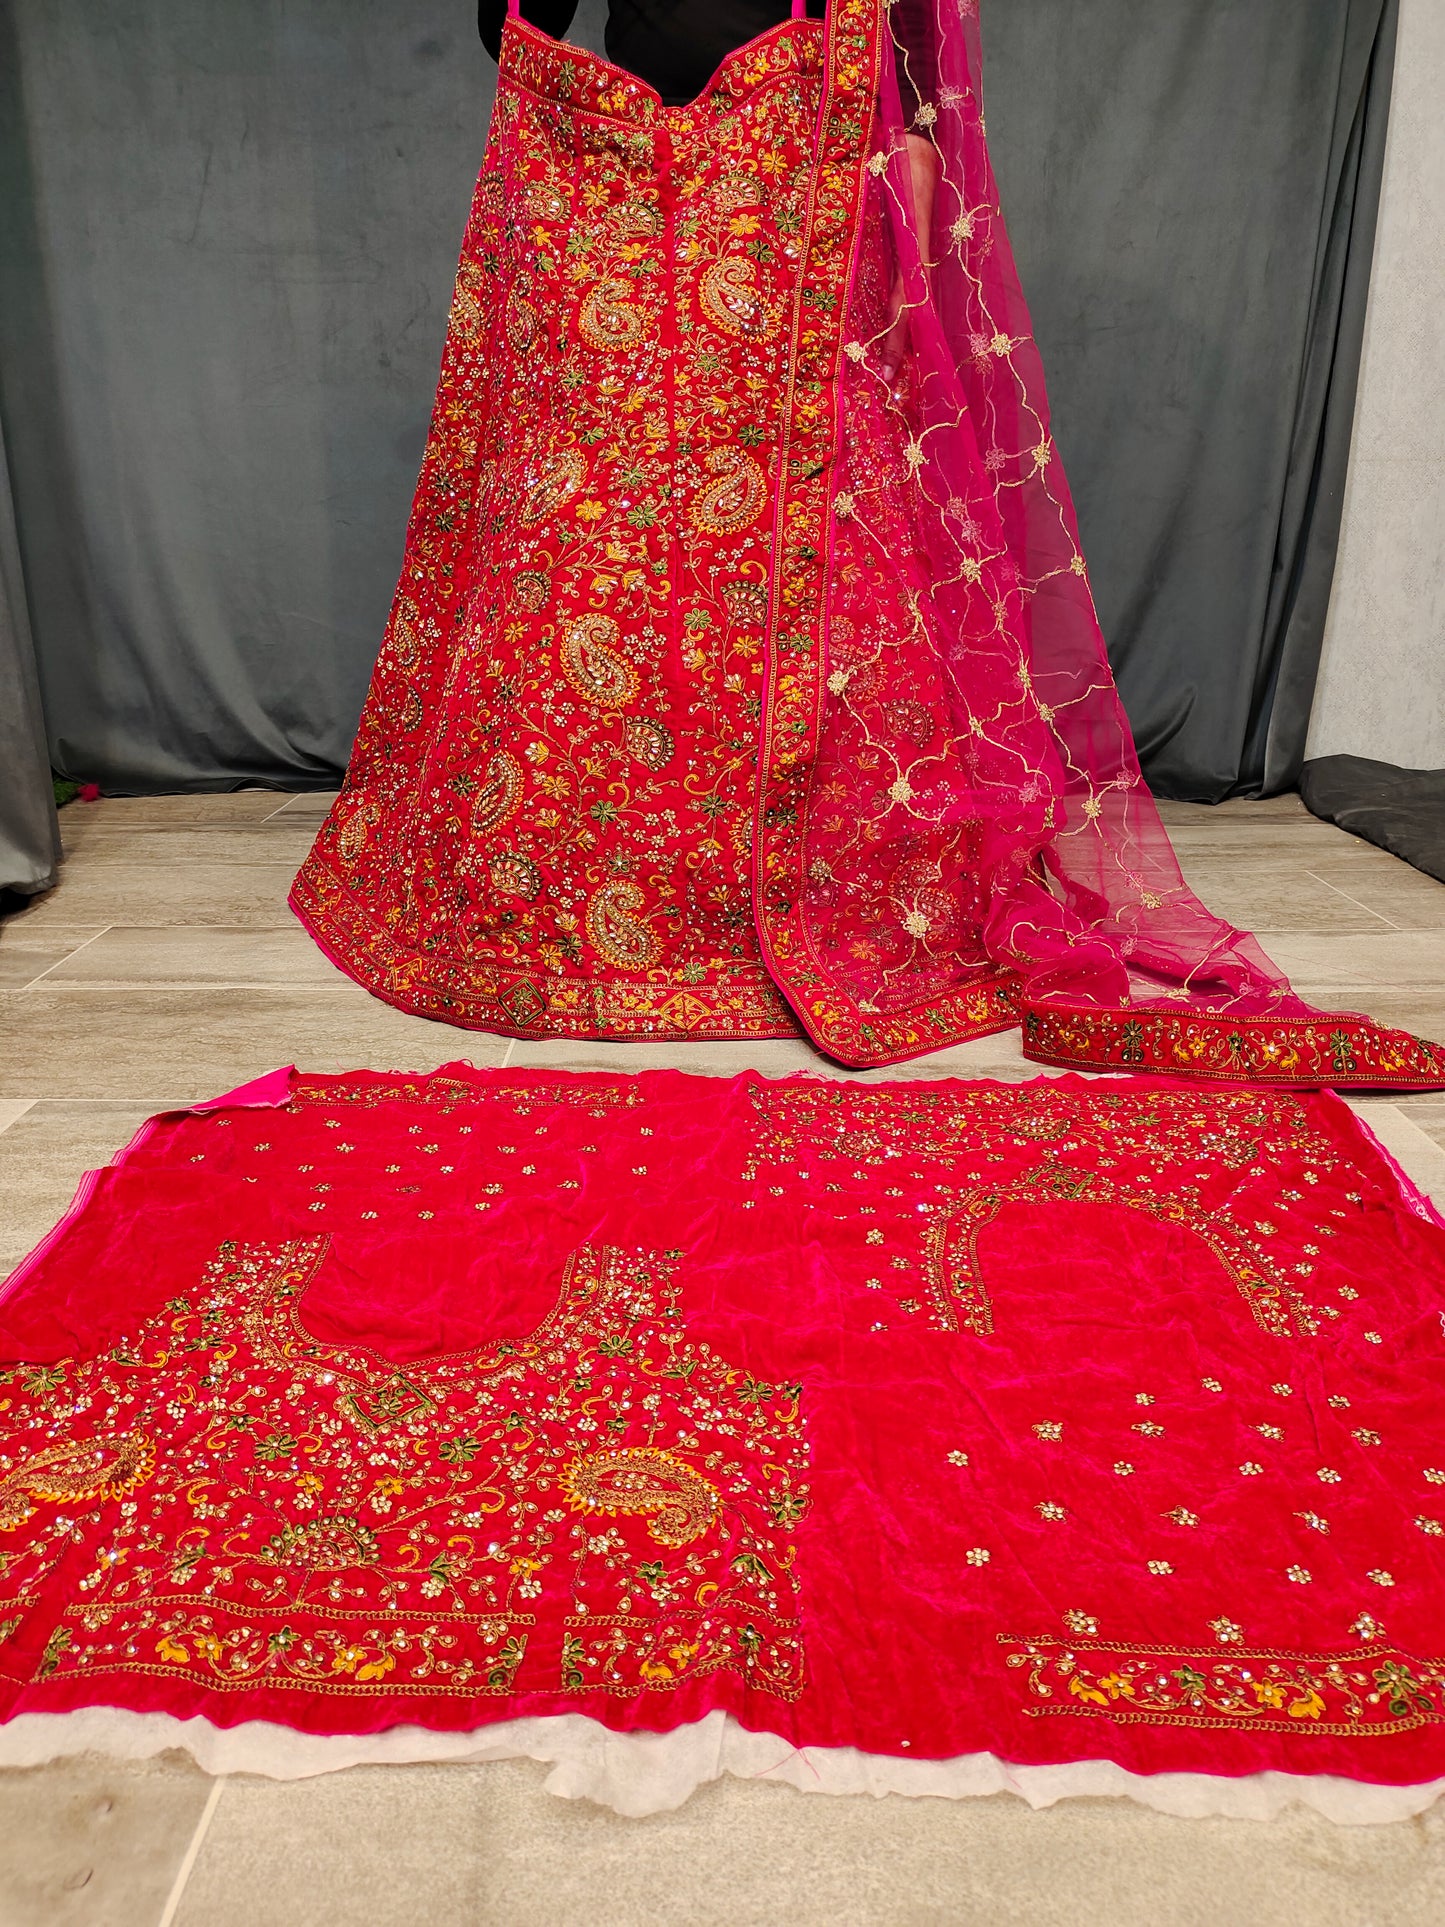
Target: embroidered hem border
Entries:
(515, 1005)
(1341, 1050)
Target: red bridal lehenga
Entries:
(1064, 1437)
(738, 679)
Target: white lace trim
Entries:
(641, 1773)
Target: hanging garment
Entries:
(911, 1435)
(743, 675)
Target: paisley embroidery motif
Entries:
(488, 201)
(74, 1473)
(542, 200)
(637, 217)
(737, 189)
(650, 742)
(522, 317)
(729, 296)
(531, 591)
(325, 1545)
(746, 602)
(738, 496)
(500, 793)
(516, 876)
(593, 667)
(356, 827)
(642, 1479)
(557, 479)
(616, 929)
(404, 625)
(468, 320)
(910, 719)
(611, 319)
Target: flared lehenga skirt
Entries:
(547, 826)
(743, 676)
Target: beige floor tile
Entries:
(94, 1843)
(280, 840)
(193, 954)
(314, 807)
(47, 1152)
(485, 1845)
(101, 892)
(185, 1044)
(231, 806)
(1418, 1154)
(1268, 845)
(1392, 959)
(1421, 1012)
(12, 1109)
(27, 952)
(1276, 809)
(997, 1057)
(1405, 898)
(1427, 1113)
(1272, 896)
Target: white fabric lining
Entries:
(640, 1773)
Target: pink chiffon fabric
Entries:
(969, 669)
(977, 814)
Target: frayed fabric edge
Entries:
(636, 1774)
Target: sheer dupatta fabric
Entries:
(953, 834)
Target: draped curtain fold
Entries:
(227, 253)
(1192, 193)
(29, 832)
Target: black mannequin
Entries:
(674, 45)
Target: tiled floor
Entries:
(166, 967)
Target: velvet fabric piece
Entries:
(1055, 1421)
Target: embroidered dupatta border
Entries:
(1335, 1050)
(795, 690)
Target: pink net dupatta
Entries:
(954, 836)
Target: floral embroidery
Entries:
(319, 1518)
(1369, 1693)
(1300, 1052)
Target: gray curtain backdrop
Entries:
(227, 236)
(1191, 187)
(29, 832)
